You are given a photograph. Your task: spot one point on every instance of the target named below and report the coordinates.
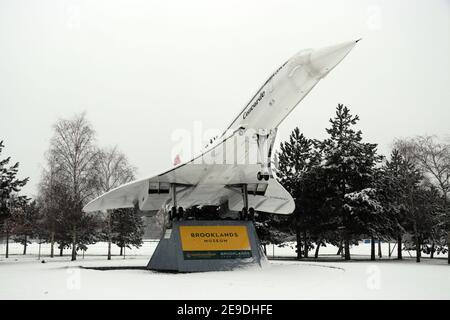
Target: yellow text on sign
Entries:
(214, 238)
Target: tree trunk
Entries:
(109, 235)
(25, 245)
(372, 249)
(432, 251)
(306, 244)
(448, 231)
(7, 241)
(74, 243)
(418, 251)
(299, 245)
(121, 251)
(380, 255)
(339, 249)
(448, 247)
(316, 254)
(399, 246)
(52, 244)
(347, 249)
(265, 249)
(109, 249)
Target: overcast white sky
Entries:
(142, 69)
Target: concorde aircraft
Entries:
(235, 170)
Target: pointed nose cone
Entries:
(325, 59)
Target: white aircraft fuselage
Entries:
(235, 169)
(288, 85)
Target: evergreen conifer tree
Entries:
(349, 164)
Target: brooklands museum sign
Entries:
(215, 242)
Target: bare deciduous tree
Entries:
(76, 157)
(113, 171)
(52, 196)
(433, 158)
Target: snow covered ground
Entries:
(26, 277)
